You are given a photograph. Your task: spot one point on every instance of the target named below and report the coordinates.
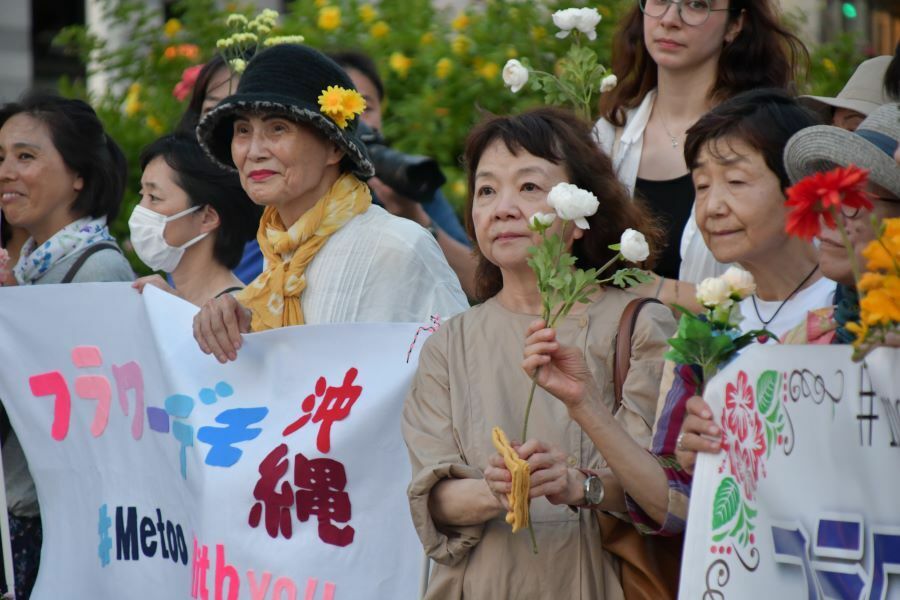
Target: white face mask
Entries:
(147, 229)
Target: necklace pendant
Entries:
(674, 142)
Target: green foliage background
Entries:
(441, 69)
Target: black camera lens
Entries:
(415, 177)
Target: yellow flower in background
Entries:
(460, 45)
(489, 70)
(380, 30)
(321, 3)
(829, 66)
(441, 111)
(538, 33)
(133, 100)
(443, 68)
(400, 64)
(604, 11)
(427, 38)
(367, 13)
(154, 125)
(511, 52)
(461, 21)
(458, 188)
(329, 18)
(172, 27)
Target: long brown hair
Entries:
(764, 54)
(564, 139)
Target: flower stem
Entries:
(854, 265)
(528, 406)
(534, 548)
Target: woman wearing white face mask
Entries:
(192, 222)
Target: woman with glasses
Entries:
(676, 60)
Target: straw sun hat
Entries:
(871, 146)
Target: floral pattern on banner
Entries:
(753, 423)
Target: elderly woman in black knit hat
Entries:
(290, 131)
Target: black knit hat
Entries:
(286, 80)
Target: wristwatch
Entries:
(593, 491)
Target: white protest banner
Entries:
(163, 474)
(804, 500)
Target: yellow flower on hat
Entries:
(329, 18)
(341, 105)
(380, 30)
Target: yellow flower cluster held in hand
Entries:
(517, 516)
(341, 105)
(879, 289)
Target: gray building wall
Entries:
(15, 48)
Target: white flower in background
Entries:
(540, 221)
(515, 75)
(573, 203)
(633, 246)
(740, 281)
(714, 292)
(584, 20)
(608, 84)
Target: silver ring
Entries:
(679, 441)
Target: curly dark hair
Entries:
(558, 136)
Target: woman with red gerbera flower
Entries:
(848, 195)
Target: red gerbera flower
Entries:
(822, 195)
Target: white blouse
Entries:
(697, 262)
(380, 268)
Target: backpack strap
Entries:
(622, 359)
(82, 258)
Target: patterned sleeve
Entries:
(666, 430)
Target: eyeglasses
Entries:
(691, 12)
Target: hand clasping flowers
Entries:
(713, 337)
(561, 285)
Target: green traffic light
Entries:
(849, 10)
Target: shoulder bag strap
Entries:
(82, 258)
(622, 359)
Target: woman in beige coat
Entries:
(470, 379)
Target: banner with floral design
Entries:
(803, 501)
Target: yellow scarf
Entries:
(274, 296)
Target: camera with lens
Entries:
(416, 177)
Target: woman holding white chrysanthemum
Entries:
(469, 378)
(735, 156)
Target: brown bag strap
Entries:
(623, 344)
